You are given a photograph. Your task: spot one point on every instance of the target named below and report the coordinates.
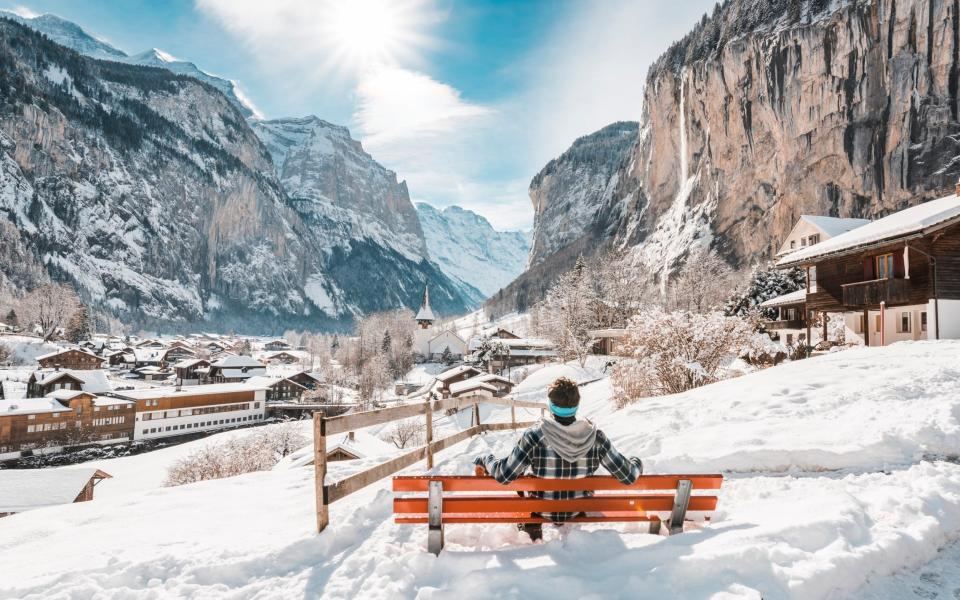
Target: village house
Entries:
(451, 376)
(356, 445)
(44, 381)
(896, 278)
(811, 230)
(790, 325)
(608, 341)
(279, 389)
(518, 351)
(28, 489)
(276, 345)
(177, 352)
(234, 369)
(310, 380)
(73, 358)
(170, 411)
(484, 385)
(149, 356)
(192, 371)
(285, 357)
(64, 418)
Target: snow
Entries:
(192, 390)
(36, 488)
(900, 224)
(796, 297)
(24, 406)
(834, 226)
(832, 489)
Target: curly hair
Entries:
(564, 393)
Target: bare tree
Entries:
(704, 283)
(5, 354)
(566, 315)
(406, 433)
(49, 307)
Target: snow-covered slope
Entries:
(469, 250)
(831, 485)
(69, 34)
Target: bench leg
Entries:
(655, 527)
(435, 517)
(680, 503)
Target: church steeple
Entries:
(425, 316)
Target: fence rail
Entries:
(326, 426)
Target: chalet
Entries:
(790, 324)
(192, 371)
(504, 334)
(27, 489)
(276, 345)
(169, 411)
(897, 278)
(44, 381)
(486, 384)
(121, 359)
(152, 373)
(150, 344)
(233, 369)
(65, 418)
(811, 230)
(445, 342)
(4, 328)
(357, 445)
(279, 389)
(178, 352)
(309, 380)
(73, 358)
(608, 341)
(451, 376)
(519, 351)
(149, 356)
(284, 357)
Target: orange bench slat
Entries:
(454, 505)
(472, 483)
(526, 518)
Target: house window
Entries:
(31, 428)
(923, 321)
(793, 244)
(811, 279)
(878, 324)
(905, 324)
(803, 242)
(885, 266)
(814, 238)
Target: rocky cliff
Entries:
(152, 194)
(470, 251)
(770, 109)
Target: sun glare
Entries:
(370, 33)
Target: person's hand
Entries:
(480, 471)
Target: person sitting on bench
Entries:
(560, 448)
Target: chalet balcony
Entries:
(785, 324)
(866, 294)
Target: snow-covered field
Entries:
(841, 483)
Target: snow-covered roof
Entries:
(169, 391)
(797, 297)
(65, 350)
(66, 395)
(471, 384)
(93, 381)
(447, 333)
(188, 362)
(26, 406)
(234, 361)
(451, 373)
(240, 373)
(512, 344)
(363, 445)
(910, 221)
(834, 226)
(263, 381)
(149, 354)
(27, 489)
(488, 377)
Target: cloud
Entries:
(23, 11)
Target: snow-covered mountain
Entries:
(69, 34)
(469, 250)
(152, 194)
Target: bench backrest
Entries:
(596, 483)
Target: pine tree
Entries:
(12, 319)
(78, 329)
(387, 343)
(766, 283)
(446, 357)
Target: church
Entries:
(430, 342)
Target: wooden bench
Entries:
(440, 499)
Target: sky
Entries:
(465, 100)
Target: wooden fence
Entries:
(326, 426)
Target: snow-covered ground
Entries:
(841, 483)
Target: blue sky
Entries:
(466, 100)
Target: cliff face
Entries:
(757, 117)
(767, 110)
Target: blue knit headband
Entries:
(560, 411)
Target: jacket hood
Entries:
(571, 442)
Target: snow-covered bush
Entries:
(671, 352)
(409, 432)
(257, 452)
(5, 354)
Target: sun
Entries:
(372, 33)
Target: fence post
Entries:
(513, 415)
(320, 469)
(429, 410)
(476, 414)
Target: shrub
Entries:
(257, 452)
(672, 352)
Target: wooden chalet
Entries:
(73, 358)
(790, 324)
(451, 376)
(192, 371)
(276, 345)
(28, 489)
(44, 381)
(233, 369)
(897, 278)
(64, 418)
(279, 389)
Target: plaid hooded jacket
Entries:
(533, 453)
